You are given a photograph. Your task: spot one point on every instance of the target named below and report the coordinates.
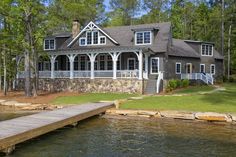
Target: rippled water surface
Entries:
(100, 137)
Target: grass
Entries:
(194, 90)
(91, 97)
(219, 101)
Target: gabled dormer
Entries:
(49, 44)
(91, 35)
(144, 36)
(207, 49)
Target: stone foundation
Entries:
(88, 85)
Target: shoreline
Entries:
(212, 117)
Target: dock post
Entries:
(9, 150)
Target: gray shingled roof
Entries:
(124, 35)
(181, 49)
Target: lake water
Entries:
(102, 137)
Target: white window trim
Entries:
(204, 68)
(49, 44)
(85, 41)
(128, 63)
(214, 69)
(176, 68)
(135, 36)
(157, 66)
(211, 50)
(99, 40)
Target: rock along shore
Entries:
(184, 115)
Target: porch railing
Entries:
(85, 74)
(82, 74)
(206, 78)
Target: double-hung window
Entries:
(49, 44)
(143, 38)
(89, 38)
(212, 69)
(178, 68)
(207, 50)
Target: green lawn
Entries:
(220, 101)
(194, 90)
(91, 97)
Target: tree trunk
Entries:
(27, 74)
(4, 71)
(229, 45)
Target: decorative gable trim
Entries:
(89, 27)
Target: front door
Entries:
(131, 64)
(189, 68)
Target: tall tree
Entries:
(123, 12)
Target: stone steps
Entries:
(151, 87)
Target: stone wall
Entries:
(88, 85)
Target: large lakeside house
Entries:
(132, 59)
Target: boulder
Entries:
(18, 104)
(233, 116)
(9, 103)
(2, 101)
(211, 116)
(146, 112)
(177, 115)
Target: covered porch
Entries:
(97, 63)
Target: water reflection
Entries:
(131, 137)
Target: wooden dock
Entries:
(20, 129)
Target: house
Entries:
(132, 59)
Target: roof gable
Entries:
(90, 26)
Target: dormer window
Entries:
(82, 41)
(143, 38)
(102, 40)
(49, 44)
(207, 50)
(92, 38)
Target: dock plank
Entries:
(20, 129)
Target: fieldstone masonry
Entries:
(88, 85)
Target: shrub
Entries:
(173, 84)
(231, 79)
(179, 83)
(185, 83)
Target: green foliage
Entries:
(174, 84)
(91, 97)
(185, 83)
(219, 101)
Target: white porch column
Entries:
(114, 68)
(114, 56)
(146, 65)
(92, 57)
(140, 67)
(71, 59)
(52, 60)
